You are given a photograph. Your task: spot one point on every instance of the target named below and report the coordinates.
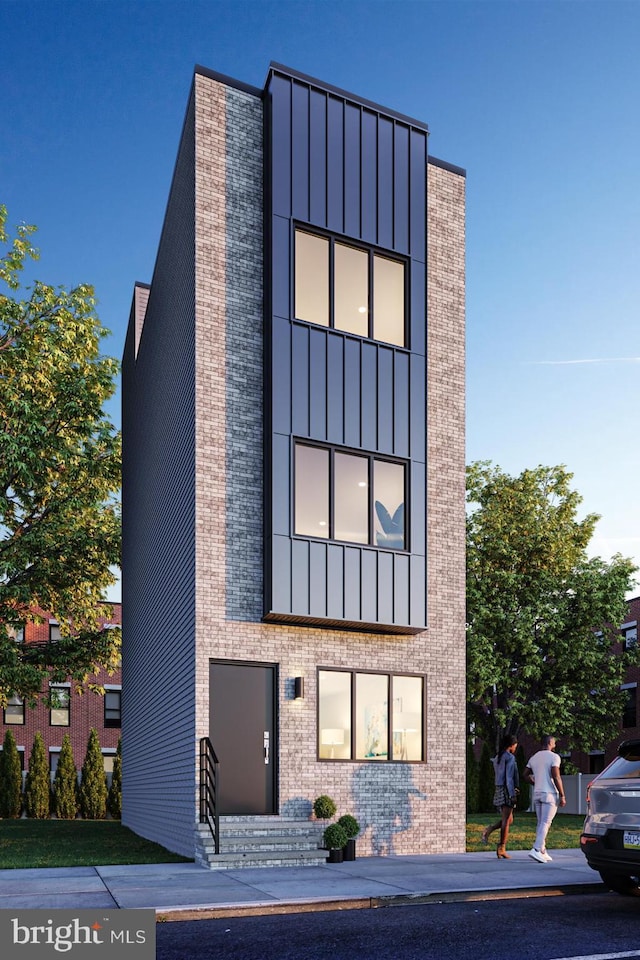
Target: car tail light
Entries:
(589, 792)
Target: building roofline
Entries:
(296, 75)
(445, 165)
(228, 81)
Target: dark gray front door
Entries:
(242, 731)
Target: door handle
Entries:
(266, 744)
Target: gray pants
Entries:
(545, 812)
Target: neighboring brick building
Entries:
(294, 485)
(74, 713)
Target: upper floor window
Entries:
(54, 632)
(14, 711)
(347, 496)
(370, 716)
(630, 712)
(59, 715)
(112, 707)
(349, 288)
(629, 636)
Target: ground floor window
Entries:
(371, 716)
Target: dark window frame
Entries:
(352, 693)
(365, 455)
(630, 709)
(113, 722)
(372, 251)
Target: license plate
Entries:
(631, 840)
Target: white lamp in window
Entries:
(406, 723)
(332, 737)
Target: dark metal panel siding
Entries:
(401, 405)
(280, 145)
(318, 158)
(300, 577)
(280, 379)
(335, 582)
(401, 588)
(369, 208)
(318, 579)
(335, 389)
(335, 165)
(352, 581)
(418, 507)
(281, 255)
(351, 170)
(417, 591)
(318, 384)
(401, 189)
(369, 396)
(369, 585)
(352, 401)
(417, 197)
(300, 380)
(280, 489)
(385, 394)
(300, 151)
(385, 588)
(418, 306)
(281, 581)
(385, 183)
(417, 380)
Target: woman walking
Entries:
(506, 792)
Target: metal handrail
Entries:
(209, 789)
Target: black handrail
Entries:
(209, 788)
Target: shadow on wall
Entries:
(300, 808)
(382, 803)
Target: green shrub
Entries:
(473, 780)
(65, 783)
(334, 837)
(350, 825)
(37, 789)
(93, 782)
(324, 807)
(114, 800)
(10, 779)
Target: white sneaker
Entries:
(536, 855)
(547, 858)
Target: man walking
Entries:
(543, 771)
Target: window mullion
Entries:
(332, 259)
(371, 303)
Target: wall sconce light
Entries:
(298, 688)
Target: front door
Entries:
(242, 731)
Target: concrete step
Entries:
(261, 841)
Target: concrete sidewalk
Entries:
(185, 890)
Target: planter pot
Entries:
(349, 850)
(335, 856)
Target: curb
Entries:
(269, 908)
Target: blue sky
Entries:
(537, 100)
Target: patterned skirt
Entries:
(501, 798)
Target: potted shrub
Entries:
(324, 807)
(352, 828)
(334, 839)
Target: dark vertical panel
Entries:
(369, 585)
(385, 400)
(300, 151)
(335, 582)
(401, 405)
(352, 400)
(280, 376)
(417, 606)
(352, 583)
(281, 492)
(385, 587)
(401, 189)
(369, 393)
(417, 407)
(418, 317)
(351, 170)
(401, 589)
(300, 380)
(281, 261)
(369, 177)
(335, 388)
(418, 507)
(300, 577)
(385, 182)
(335, 165)
(280, 90)
(318, 579)
(318, 384)
(318, 157)
(281, 579)
(417, 196)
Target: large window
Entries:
(59, 714)
(370, 716)
(14, 711)
(349, 288)
(349, 496)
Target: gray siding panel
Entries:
(386, 197)
(385, 393)
(281, 148)
(369, 196)
(401, 405)
(352, 170)
(318, 158)
(300, 380)
(335, 582)
(300, 151)
(401, 189)
(352, 402)
(335, 165)
(318, 579)
(318, 385)
(335, 389)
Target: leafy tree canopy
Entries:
(542, 618)
(60, 462)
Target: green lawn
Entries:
(564, 833)
(75, 843)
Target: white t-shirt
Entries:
(540, 765)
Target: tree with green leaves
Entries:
(114, 800)
(93, 782)
(10, 779)
(542, 618)
(37, 788)
(65, 783)
(60, 463)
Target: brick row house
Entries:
(293, 485)
(70, 712)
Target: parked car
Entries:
(611, 833)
